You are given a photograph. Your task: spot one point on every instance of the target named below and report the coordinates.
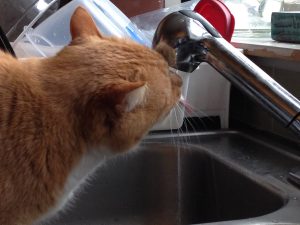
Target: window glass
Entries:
(253, 17)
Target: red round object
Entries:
(217, 13)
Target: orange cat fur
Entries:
(97, 97)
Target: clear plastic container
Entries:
(54, 33)
(17, 14)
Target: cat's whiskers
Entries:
(176, 118)
(189, 114)
(180, 138)
(193, 112)
(182, 111)
(192, 120)
(171, 127)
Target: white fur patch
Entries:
(87, 165)
(79, 175)
(135, 98)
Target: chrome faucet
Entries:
(195, 40)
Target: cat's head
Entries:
(130, 86)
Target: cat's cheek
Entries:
(176, 95)
(176, 80)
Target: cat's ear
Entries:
(167, 52)
(128, 95)
(82, 24)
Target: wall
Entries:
(135, 7)
(169, 3)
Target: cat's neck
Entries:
(62, 82)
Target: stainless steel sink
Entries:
(193, 179)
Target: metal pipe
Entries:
(252, 80)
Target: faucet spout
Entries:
(194, 41)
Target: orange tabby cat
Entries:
(61, 116)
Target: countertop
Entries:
(268, 48)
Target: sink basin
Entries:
(192, 179)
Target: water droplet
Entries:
(274, 221)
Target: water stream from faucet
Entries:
(179, 187)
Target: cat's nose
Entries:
(176, 80)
